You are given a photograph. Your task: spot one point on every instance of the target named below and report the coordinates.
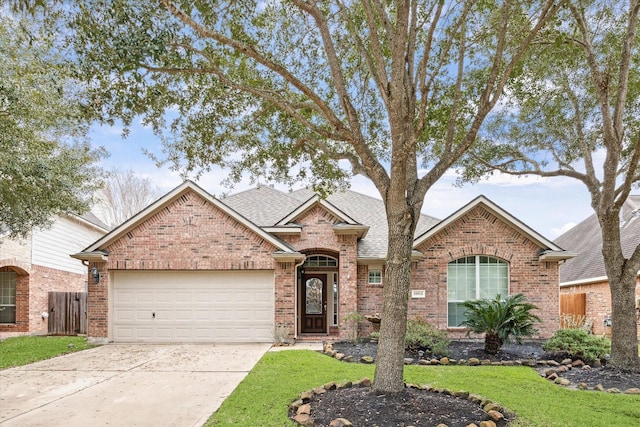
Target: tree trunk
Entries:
(624, 327)
(621, 274)
(492, 343)
(390, 356)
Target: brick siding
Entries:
(192, 234)
(32, 295)
(188, 234)
(318, 237)
(598, 303)
(479, 232)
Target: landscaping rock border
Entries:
(301, 407)
(549, 369)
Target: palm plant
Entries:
(500, 320)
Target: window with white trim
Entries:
(473, 278)
(375, 276)
(320, 261)
(8, 297)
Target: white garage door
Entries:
(193, 306)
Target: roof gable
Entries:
(156, 207)
(309, 204)
(550, 250)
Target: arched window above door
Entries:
(320, 261)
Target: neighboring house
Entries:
(32, 267)
(194, 268)
(585, 274)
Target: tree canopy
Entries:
(573, 111)
(46, 168)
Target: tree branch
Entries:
(624, 67)
(375, 170)
(261, 59)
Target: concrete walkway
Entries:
(126, 385)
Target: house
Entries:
(263, 263)
(584, 277)
(32, 267)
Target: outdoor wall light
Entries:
(44, 315)
(95, 274)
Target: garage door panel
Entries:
(193, 306)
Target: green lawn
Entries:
(262, 398)
(20, 351)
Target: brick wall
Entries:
(318, 237)
(370, 298)
(98, 303)
(190, 234)
(45, 280)
(479, 232)
(32, 295)
(187, 234)
(598, 303)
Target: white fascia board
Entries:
(283, 230)
(96, 256)
(359, 230)
(371, 261)
(288, 256)
(588, 281)
(557, 255)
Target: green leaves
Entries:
(500, 319)
(46, 169)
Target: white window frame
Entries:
(377, 276)
(6, 297)
(477, 265)
(335, 299)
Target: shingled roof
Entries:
(586, 239)
(266, 206)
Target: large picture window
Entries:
(472, 278)
(7, 297)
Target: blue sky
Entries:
(549, 206)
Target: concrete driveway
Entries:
(126, 385)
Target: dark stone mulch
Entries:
(411, 407)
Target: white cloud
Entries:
(555, 232)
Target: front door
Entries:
(314, 303)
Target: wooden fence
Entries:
(574, 305)
(67, 313)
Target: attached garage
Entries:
(192, 306)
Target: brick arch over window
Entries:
(480, 249)
(321, 251)
(474, 277)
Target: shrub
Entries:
(421, 336)
(500, 320)
(578, 344)
(351, 322)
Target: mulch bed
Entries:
(413, 407)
